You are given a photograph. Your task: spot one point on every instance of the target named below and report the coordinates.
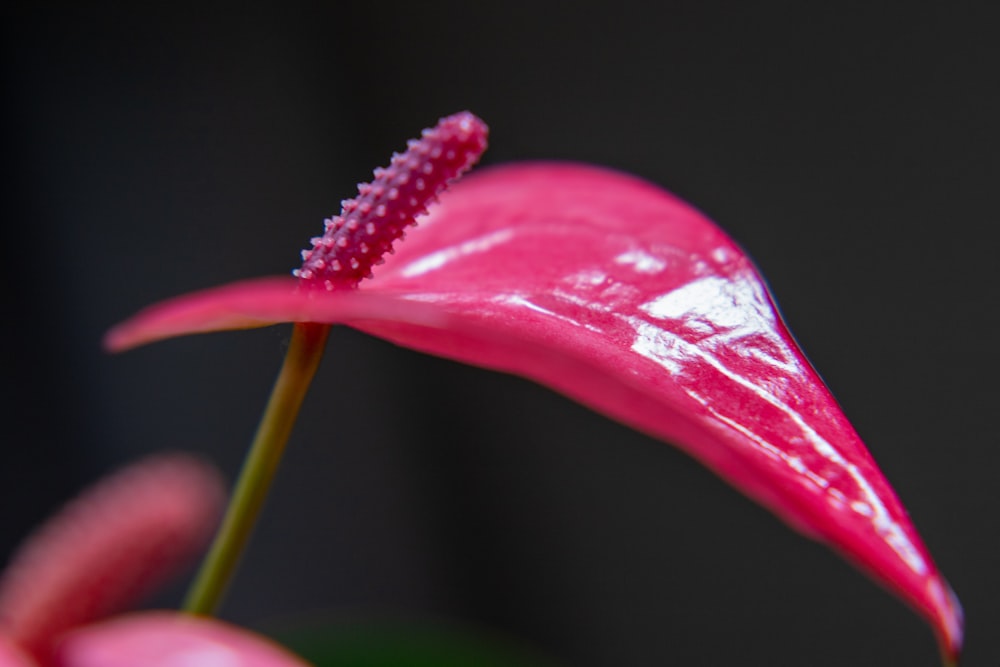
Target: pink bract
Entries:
(619, 295)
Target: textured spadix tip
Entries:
(356, 240)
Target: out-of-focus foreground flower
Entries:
(111, 546)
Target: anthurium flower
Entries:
(616, 293)
(113, 544)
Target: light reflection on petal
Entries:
(641, 261)
(443, 257)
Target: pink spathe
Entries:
(621, 296)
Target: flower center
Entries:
(367, 226)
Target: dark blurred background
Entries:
(852, 150)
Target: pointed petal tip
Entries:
(948, 622)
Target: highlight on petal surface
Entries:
(621, 296)
(115, 543)
(159, 639)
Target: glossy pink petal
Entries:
(161, 639)
(621, 296)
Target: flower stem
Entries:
(301, 362)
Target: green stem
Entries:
(301, 362)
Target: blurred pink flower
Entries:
(102, 553)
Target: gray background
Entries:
(852, 150)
